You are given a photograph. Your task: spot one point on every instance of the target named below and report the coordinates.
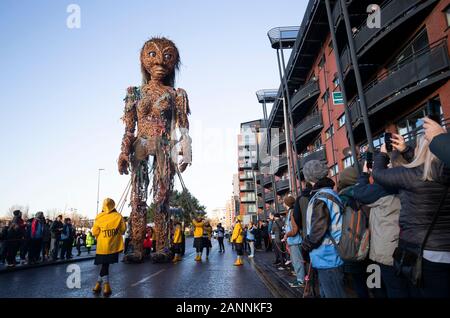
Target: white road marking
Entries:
(147, 278)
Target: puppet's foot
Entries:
(134, 256)
(162, 257)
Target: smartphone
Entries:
(432, 111)
(369, 160)
(388, 141)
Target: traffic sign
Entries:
(337, 98)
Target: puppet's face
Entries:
(159, 58)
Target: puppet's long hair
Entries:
(170, 78)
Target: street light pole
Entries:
(98, 188)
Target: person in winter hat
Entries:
(324, 219)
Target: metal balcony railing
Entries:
(267, 95)
(308, 125)
(282, 162)
(269, 196)
(319, 154)
(282, 185)
(391, 12)
(307, 91)
(404, 78)
(284, 36)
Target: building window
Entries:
(348, 162)
(326, 96)
(330, 132)
(412, 124)
(336, 80)
(322, 62)
(447, 15)
(334, 170)
(341, 120)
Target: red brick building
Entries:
(404, 66)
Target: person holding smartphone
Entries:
(439, 140)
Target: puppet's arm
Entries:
(129, 118)
(182, 122)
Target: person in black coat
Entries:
(439, 140)
(55, 230)
(423, 185)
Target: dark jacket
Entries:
(47, 234)
(320, 219)
(277, 228)
(300, 207)
(367, 193)
(440, 147)
(56, 228)
(419, 201)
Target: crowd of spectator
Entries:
(39, 239)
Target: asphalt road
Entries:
(214, 278)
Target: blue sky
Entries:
(62, 89)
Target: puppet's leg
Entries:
(164, 171)
(139, 185)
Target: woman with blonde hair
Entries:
(423, 253)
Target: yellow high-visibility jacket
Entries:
(108, 229)
(237, 236)
(198, 230)
(177, 239)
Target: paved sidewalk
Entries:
(278, 279)
(84, 256)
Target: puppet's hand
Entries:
(123, 163)
(182, 165)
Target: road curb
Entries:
(24, 267)
(275, 285)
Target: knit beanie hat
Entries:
(347, 177)
(314, 170)
(17, 213)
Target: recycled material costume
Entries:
(157, 109)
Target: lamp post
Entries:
(98, 187)
(284, 38)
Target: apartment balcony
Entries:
(394, 14)
(282, 186)
(247, 188)
(243, 166)
(281, 208)
(281, 163)
(269, 196)
(246, 176)
(259, 190)
(305, 97)
(267, 181)
(319, 154)
(248, 199)
(309, 128)
(260, 203)
(408, 81)
(398, 17)
(281, 140)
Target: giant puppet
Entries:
(160, 114)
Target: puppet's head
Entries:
(159, 60)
